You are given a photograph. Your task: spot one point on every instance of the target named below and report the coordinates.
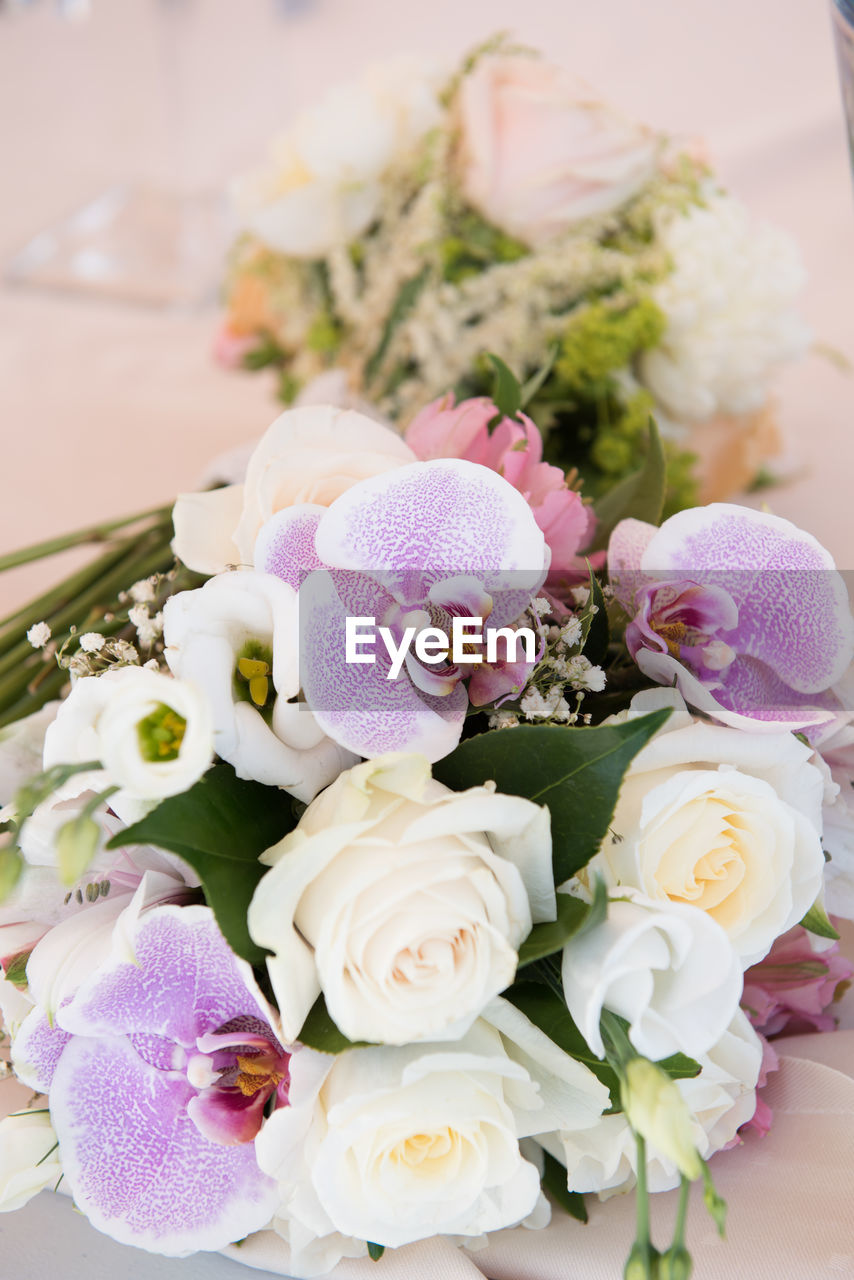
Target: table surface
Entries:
(106, 407)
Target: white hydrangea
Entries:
(730, 308)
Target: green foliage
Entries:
(404, 302)
(602, 338)
(577, 772)
(640, 496)
(545, 939)
(548, 1011)
(506, 391)
(554, 1181)
(267, 353)
(16, 969)
(321, 1033)
(220, 827)
(816, 921)
(324, 334)
(473, 244)
(375, 1251)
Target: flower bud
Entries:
(656, 1110)
(675, 1264)
(76, 845)
(642, 1263)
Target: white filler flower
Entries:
(729, 303)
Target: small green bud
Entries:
(675, 1264)
(76, 845)
(642, 1263)
(656, 1110)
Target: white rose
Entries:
(237, 639)
(152, 734)
(603, 1157)
(666, 967)
(29, 1157)
(730, 307)
(398, 1144)
(309, 455)
(320, 188)
(392, 899)
(722, 819)
(539, 154)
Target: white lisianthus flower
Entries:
(21, 747)
(320, 188)
(237, 638)
(398, 1144)
(723, 819)
(29, 1156)
(668, 968)
(152, 734)
(309, 455)
(403, 901)
(603, 1157)
(729, 303)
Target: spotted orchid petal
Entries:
(36, 1050)
(355, 703)
(432, 519)
(285, 544)
(786, 635)
(185, 982)
(144, 1174)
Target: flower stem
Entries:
(642, 1197)
(93, 533)
(679, 1228)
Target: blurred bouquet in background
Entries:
(415, 220)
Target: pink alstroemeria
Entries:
(741, 610)
(413, 547)
(178, 1027)
(514, 449)
(793, 987)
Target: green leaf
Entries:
(375, 1251)
(545, 939)
(548, 1012)
(220, 826)
(404, 302)
(680, 1067)
(321, 1033)
(506, 391)
(537, 380)
(11, 866)
(816, 921)
(554, 1181)
(598, 636)
(598, 909)
(715, 1204)
(577, 772)
(16, 969)
(639, 497)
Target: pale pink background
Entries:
(105, 408)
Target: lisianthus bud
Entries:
(656, 1110)
(675, 1264)
(642, 1263)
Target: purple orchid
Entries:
(158, 1070)
(741, 610)
(412, 548)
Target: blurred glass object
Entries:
(842, 12)
(149, 243)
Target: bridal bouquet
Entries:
(415, 220)
(445, 850)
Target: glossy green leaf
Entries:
(506, 391)
(375, 1251)
(639, 497)
(554, 1181)
(816, 921)
(598, 636)
(548, 1011)
(220, 827)
(577, 772)
(545, 939)
(321, 1033)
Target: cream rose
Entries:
(152, 734)
(722, 819)
(237, 638)
(398, 1144)
(29, 1158)
(666, 967)
(538, 153)
(309, 455)
(402, 901)
(320, 188)
(603, 1157)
